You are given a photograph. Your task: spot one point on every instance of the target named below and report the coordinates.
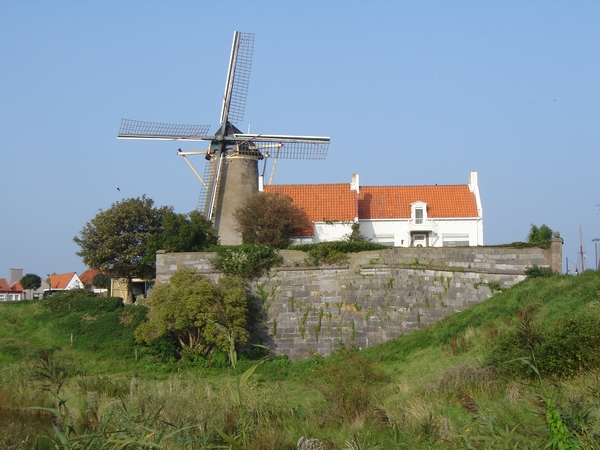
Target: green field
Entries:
(521, 370)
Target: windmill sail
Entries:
(136, 129)
(238, 78)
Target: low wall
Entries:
(377, 296)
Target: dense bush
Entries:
(335, 252)
(536, 271)
(202, 315)
(540, 236)
(566, 348)
(79, 301)
(246, 261)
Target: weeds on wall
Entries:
(246, 261)
(334, 252)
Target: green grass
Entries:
(445, 386)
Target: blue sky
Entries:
(410, 92)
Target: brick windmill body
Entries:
(231, 174)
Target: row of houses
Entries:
(12, 290)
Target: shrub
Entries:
(80, 300)
(540, 236)
(335, 252)
(571, 346)
(194, 309)
(539, 272)
(246, 261)
(566, 348)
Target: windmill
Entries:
(231, 173)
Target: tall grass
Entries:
(436, 388)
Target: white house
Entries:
(62, 282)
(399, 216)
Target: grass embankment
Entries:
(520, 370)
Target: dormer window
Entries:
(419, 212)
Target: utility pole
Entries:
(581, 250)
(595, 241)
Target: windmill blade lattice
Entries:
(287, 149)
(209, 176)
(240, 78)
(136, 129)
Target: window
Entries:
(2, 297)
(418, 216)
(419, 240)
(385, 239)
(455, 240)
(418, 212)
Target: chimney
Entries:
(354, 184)
(15, 275)
(473, 181)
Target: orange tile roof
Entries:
(321, 202)
(88, 276)
(4, 287)
(61, 281)
(393, 202)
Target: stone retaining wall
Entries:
(377, 296)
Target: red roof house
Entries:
(64, 281)
(11, 292)
(401, 216)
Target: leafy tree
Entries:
(101, 280)
(182, 233)
(540, 236)
(192, 308)
(270, 219)
(31, 281)
(115, 240)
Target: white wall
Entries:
(335, 231)
(398, 231)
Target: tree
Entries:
(31, 281)
(270, 219)
(115, 240)
(541, 236)
(182, 233)
(192, 308)
(101, 280)
(354, 235)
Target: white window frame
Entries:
(422, 208)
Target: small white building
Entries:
(398, 216)
(61, 282)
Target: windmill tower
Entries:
(231, 174)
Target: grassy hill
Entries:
(521, 370)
